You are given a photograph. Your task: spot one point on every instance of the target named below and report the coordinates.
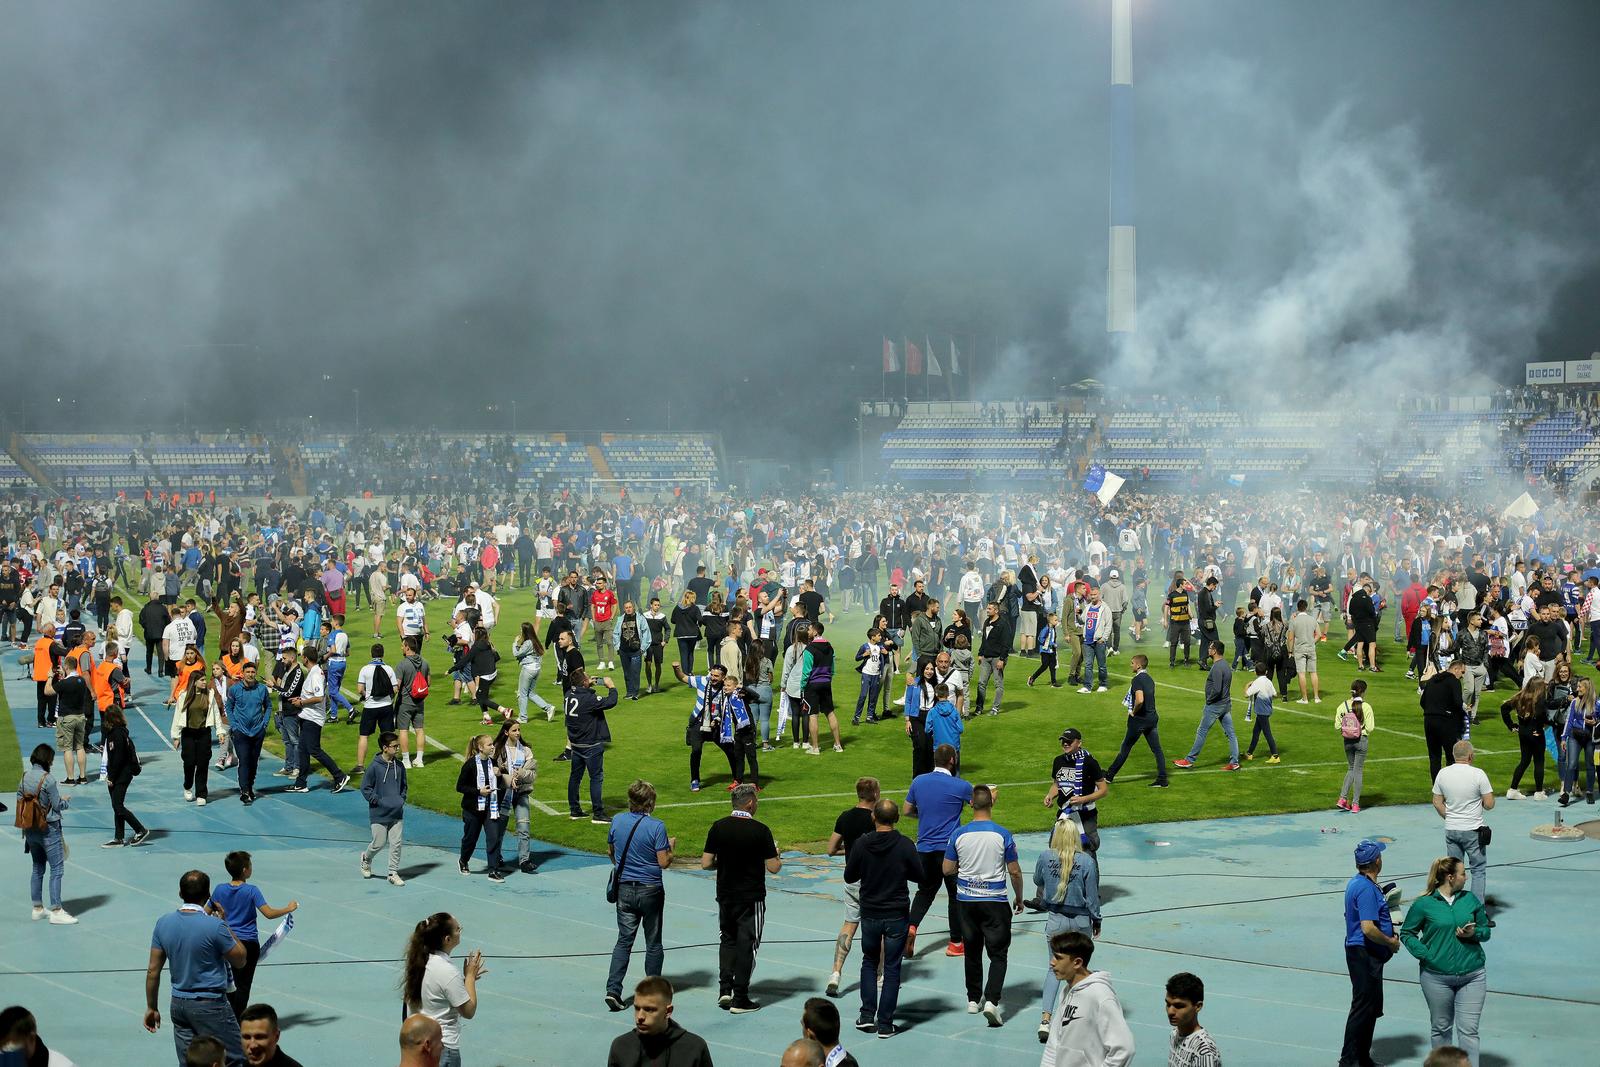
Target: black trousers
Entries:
(741, 751)
(120, 815)
(1366, 1005)
(697, 741)
(1532, 752)
(987, 927)
(686, 654)
(243, 977)
(1146, 729)
(1178, 632)
(921, 747)
(47, 705)
(1441, 735)
(933, 876)
(739, 923)
(152, 650)
(195, 747)
(1047, 662)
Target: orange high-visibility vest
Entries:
(41, 658)
(185, 671)
(100, 682)
(75, 660)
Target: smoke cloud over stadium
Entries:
(227, 214)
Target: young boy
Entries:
(1087, 1025)
(1047, 651)
(385, 786)
(944, 724)
(870, 656)
(1191, 1045)
(239, 901)
(1241, 639)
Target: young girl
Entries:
(1420, 644)
(515, 761)
(529, 653)
(481, 813)
(122, 763)
(1532, 668)
(1047, 651)
(485, 660)
(1577, 735)
(1354, 721)
(1528, 707)
(192, 723)
(794, 686)
(1258, 707)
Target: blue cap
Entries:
(1368, 850)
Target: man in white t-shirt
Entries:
(376, 688)
(411, 616)
(178, 636)
(1461, 794)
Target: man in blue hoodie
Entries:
(248, 707)
(385, 787)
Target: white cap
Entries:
(1114, 573)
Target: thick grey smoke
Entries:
(1357, 262)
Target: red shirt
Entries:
(603, 603)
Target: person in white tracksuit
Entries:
(1087, 1028)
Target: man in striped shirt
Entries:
(982, 855)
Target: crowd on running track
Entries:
(960, 589)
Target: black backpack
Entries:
(382, 682)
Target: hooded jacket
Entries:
(1087, 1028)
(385, 787)
(675, 1048)
(1114, 595)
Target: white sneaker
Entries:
(991, 1011)
(188, 794)
(1541, 795)
(366, 868)
(39, 912)
(812, 750)
(797, 744)
(199, 802)
(1100, 689)
(1514, 794)
(1083, 689)
(973, 1007)
(833, 984)
(59, 917)
(395, 879)
(901, 702)
(840, 748)
(1319, 700)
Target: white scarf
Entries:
(486, 781)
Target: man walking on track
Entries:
(742, 852)
(982, 855)
(936, 799)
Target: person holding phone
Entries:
(1445, 929)
(432, 985)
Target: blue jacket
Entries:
(1574, 725)
(644, 632)
(248, 708)
(944, 725)
(1083, 885)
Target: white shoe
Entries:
(1319, 700)
(39, 912)
(797, 744)
(991, 1011)
(199, 802)
(840, 748)
(366, 868)
(1541, 795)
(1083, 689)
(1514, 794)
(59, 917)
(833, 984)
(188, 794)
(813, 751)
(1100, 689)
(901, 702)
(395, 879)
(973, 1007)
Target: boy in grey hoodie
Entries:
(384, 786)
(1087, 1029)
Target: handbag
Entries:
(1485, 835)
(614, 883)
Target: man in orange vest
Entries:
(109, 683)
(47, 652)
(81, 660)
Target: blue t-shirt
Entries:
(196, 946)
(1364, 900)
(983, 849)
(239, 904)
(938, 797)
(639, 865)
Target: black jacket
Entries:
(585, 715)
(153, 619)
(883, 863)
(120, 756)
(1441, 698)
(996, 643)
(675, 1048)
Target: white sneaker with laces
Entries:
(59, 917)
(1083, 689)
(39, 912)
(991, 1011)
(973, 1007)
(199, 802)
(1541, 795)
(1100, 689)
(395, 879)
(188, 794)
(1514, 794)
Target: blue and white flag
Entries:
(1102, 483)
(278, 935)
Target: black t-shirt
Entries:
(742, 847)
(73, 696)
(811, 601)
(1320, 588)
(1143, 683)
(1075, 775)
(851, 824)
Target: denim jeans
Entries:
(761, 710)
(1094, 656)
(289, 728)
(248, 749)
(1057, 923)
(868, 697)
(1578, 754)
(1455, 1004)
(450, 1057)
(882, 941)
(638, 903)
(631, 662)
(193, 1018)
(45, 847)
(336, 698)
(1463, 845)
(527, 679)
(1216, 714)
(592, 760)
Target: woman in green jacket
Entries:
(1445, 929)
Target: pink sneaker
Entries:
(1355, 809)
(1344, 805)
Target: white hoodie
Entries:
(1087, 1029)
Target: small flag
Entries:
(278, 935)
(913, 358)
(891, 362)
(955, 358)
(933, 361)
(1102, 483)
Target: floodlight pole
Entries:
(1121, 304)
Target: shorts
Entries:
(820, 699)
(504, 564)
(1305, 663)
(1140, 612)
(72, 731)
(375, 719)
(408, 718)
(1027, 624)
(1366, 633)
(852, 902)
(1320, 610)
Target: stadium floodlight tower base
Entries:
(1556, 831)
(610, 487)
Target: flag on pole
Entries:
(913, 358)
(891, 362)
(955, 358)
(1102, 483)
(933, 360)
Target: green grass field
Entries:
(803, 794)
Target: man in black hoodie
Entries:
(656, 1040)
(1444, 714)
(882, 862)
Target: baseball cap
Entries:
(1115, 573)
(1071, 733)
(1368, 850)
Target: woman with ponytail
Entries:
(430, 983)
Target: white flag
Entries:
(1109, 487)
(955, 358)
(933, 360)
(277, 935)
